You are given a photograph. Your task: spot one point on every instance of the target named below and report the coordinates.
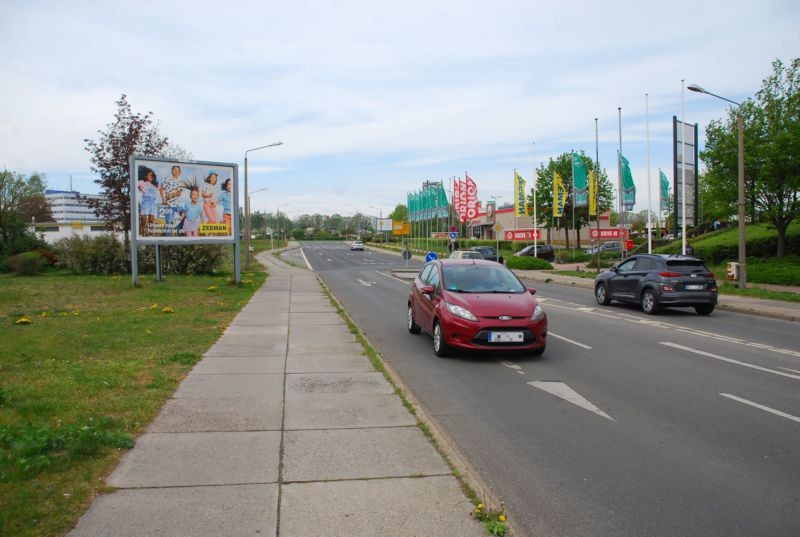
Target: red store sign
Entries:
(522, 234)
(611, 233)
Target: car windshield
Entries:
(481, 279)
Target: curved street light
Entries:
(742, 243)
(247, 204)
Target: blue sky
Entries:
(373, 98)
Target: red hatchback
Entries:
(476, 305)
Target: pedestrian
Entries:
(689, 250)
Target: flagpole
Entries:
(535, 223)
(573, 205)
(649, 199)
(619, 182)
(597, 189)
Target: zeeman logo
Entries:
(214, 229)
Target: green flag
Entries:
(628, 187)
(580, 181)
(664, 197)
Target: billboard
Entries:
(685, 135)
(183, 202)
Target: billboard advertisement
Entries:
(184, 202)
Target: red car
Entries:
(476, 305)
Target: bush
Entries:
(189, 259)
(103, 254)
(528, 263)
(17, 244)
(26, 263)
(784, 271)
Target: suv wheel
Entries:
(601, 294)
(439, 345)
(649, 302)
(413, 327)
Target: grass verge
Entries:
(88, 371)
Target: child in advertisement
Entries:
(148, 187)
(171, 189)
(210, 197)
(225, 200)
(192, 214)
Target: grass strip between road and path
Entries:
(86, 363)
(493, 518)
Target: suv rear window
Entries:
(686, 266)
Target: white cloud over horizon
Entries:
(372, 99)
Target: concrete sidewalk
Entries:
(283, 428)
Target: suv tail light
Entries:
(667, 274)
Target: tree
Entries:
(21, 202)
(544, 197)
(772, 152)
(131, 133)
(400, 213)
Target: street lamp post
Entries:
(272, 235)
(247, 204)
(740, 122)
(380, 217)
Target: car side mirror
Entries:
(531, 290)
(427, 290)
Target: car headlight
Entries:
(459, 311)
(538, 313)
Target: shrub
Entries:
(775, 271)
(103, 254)
(17, 244)
(189, 259)
(26, 263)
(528, 263)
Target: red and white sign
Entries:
(523, 234)
(609, 233)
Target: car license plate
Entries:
(506, 337)
(694, 287)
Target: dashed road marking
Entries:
(587, 347)
(762, 407)
(729, 360)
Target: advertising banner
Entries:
(610, 233)
(183, 202)
(520, 199)
(400, 228)
(522, 234)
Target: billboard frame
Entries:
(169, 240)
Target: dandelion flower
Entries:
(44, 314)
(502, 518)
(148, 331)
(23, 320)
(212, 287)
(480, 506)
(154, 307)
(168, 309)
(76, 313)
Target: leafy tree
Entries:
(400, 213)
(21, 201)
(772, 152)
(130, 133)
(544, 197)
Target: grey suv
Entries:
(656, 280)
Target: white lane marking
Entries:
(512, 366)
(368, 284)
(787, 369)
(329, 259)
(587, 347)
(559, 389)
(306, 260)
(729, 360)
(404, 282)
(762, 407)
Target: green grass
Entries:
(89, 373)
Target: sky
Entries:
(371, 99)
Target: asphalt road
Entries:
(629, 425)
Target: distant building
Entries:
(71, 216)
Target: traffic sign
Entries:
(430, 256)
(453, 235)
(406, 254)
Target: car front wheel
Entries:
(649, 302)
(440, 347)
(601, 294)
(413, 327)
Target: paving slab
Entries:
(263, 339)
(239, 365)
(267, 387)
(314, 411)
(312, 308)
(342, 383)
(343, 345)
(196, 459)
(248, 330)
(300, 362)
(428, 506)
(359, 454)
(233, 511)
(263, 348)
(316, 319)
(219, 414)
